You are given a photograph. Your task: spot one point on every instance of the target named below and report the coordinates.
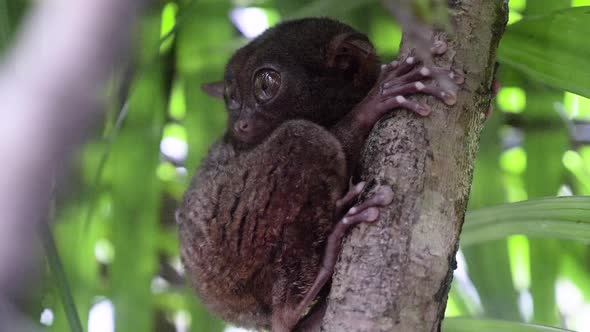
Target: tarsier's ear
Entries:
(213, 89)
(352, 52)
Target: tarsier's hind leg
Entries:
(313, 178)
(366, 211)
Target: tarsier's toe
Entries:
(368, 215)
(353, 192)
(381, 197)
(396, 93)
(457, 77)
(448, 98)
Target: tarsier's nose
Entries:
(242, 127)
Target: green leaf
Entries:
(543, 7)
(488, 265)
(485, 325)
(552, 217)
(544, 149)
(4, 24)
(61, 280)
(551, 48)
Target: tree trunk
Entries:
(395, 275)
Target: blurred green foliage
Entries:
(114, 226)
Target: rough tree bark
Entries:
(396, 275)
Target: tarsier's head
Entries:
(315, 68)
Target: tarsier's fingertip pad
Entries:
(371, 214)
(423, 110)
(359, 187)
(439, 47)
(425, 72)
(385, 194)
(457, 77)
(449, 98)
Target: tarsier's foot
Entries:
(367, 211)
(409, 76)
(343, 204)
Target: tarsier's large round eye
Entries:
(266, 85)
(230, 93)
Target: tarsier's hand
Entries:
(408, 76)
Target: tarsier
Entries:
(263, 218)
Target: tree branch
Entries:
(396, 275)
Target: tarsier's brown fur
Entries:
(256, 218)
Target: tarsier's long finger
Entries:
(408, 63)
(449, 98)
(367, 215)
(404, 66)
(421, 73)
(346, 201)
(402, 102)
(387, 68)
(382, 197)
